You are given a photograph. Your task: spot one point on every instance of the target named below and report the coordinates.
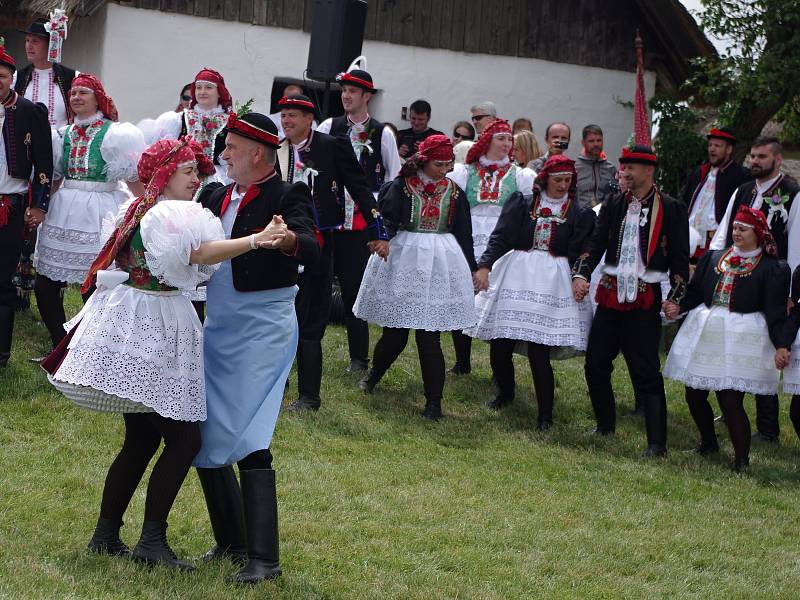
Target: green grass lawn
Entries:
(376, 502)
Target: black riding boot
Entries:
(6, 333)
(767, 418)
(224, 502)
(105, 539)
(309, 375)
(261, 522)
(655, 420)
(153, 548)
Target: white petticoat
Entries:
(425, 284)
(530, 299)
(791, 374)
(70, 237)
(134, 345)
(484, 219)
(717, 349)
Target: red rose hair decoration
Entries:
(156, 166)
(751, 217)
(216, 78)
(104, 102)
(481, 147)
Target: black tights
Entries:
(431, 359)
(143, 435)
(732, 405)
(501, 357)
(50, 300)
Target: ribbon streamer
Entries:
(57, 28)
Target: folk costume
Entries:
(136, 348)
(706, 194)
(206, 127)
(791, 374)
(426, 283)
(530, 254)
(95, 156)
(328, 166)
(737, 319)
(26, 160)
(645, 241)
(778, 198)
(488, 185)
(376, 151)
(250, 313)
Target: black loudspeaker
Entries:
(337, 33)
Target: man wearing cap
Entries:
(708, 189)
(778, 197)
(644, 236)
(45, 79)
(376, 150)
(328, 165)
(26, 159)
(250, 338)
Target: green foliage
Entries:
(242, 109)
(677, 144)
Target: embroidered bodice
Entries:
(732, 265)
(82, 158)
(548, 214)
(430, 204)
(204, 126)
(491, 182)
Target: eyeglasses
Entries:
(461, 136)
(186, 98)
(477, 118)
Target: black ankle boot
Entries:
(655, 422)
(261, 522)
(368, 383)
(499, 402)
(309, 376)
(433, 409)
(105, 539)
(544, 423)
(741, 465)
(224, 503)
(6, 333)
(153, 548)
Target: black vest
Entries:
(371, 163)
(746, 194)
(63, 76)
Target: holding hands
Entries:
(379, 247)
(480, 279)
(782, 358)
(580, 287)
(276, 236)
(671, 310)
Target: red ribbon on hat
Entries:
(348, 78)
(236, 124)
(289, 102)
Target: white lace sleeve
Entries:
(57, 137)
(171, 230)
(459, 175)
(166, 126)
(122, 146)
(525, 177)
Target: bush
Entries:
(678, 145)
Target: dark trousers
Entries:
(501, 357)
(462, 344)
(635, 333)
(10, 246)
(350, 258)
(768, 416)
(50, 300)
(732, 405)
(431, 360)
(143, 435)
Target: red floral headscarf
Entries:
(214, 77)
(557, 164)
(756, 219)
(481, 147)
(435, 147)
(156, 166)
(104, 102)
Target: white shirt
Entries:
(229, 217)
(793, 251)
(43, 88)
(8, 184)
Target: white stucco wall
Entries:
(148, 55)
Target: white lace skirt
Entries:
(484, 219)
(69, 238)
(717, 349)
(136, 351)
(791, 374)
(530, 299)
(425, 284)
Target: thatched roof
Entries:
(43, 7)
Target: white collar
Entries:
(304, 143)
(361, 124)
(749, 254)
(88, 120)
(499, 163)
(545, 198)
(425, 179)
(762, 187)
(213, 111)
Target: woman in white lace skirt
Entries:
(136, 347)
(426, 282)
(734, 338)
(526, 275)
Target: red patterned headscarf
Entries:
(481, 147)
(435, 147)
(156, 166)
(216, 78)
(104, 102)
(750, 217)
(558, 164)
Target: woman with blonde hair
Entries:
(526, 148)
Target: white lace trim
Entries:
(88, 120)
(488, 163)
